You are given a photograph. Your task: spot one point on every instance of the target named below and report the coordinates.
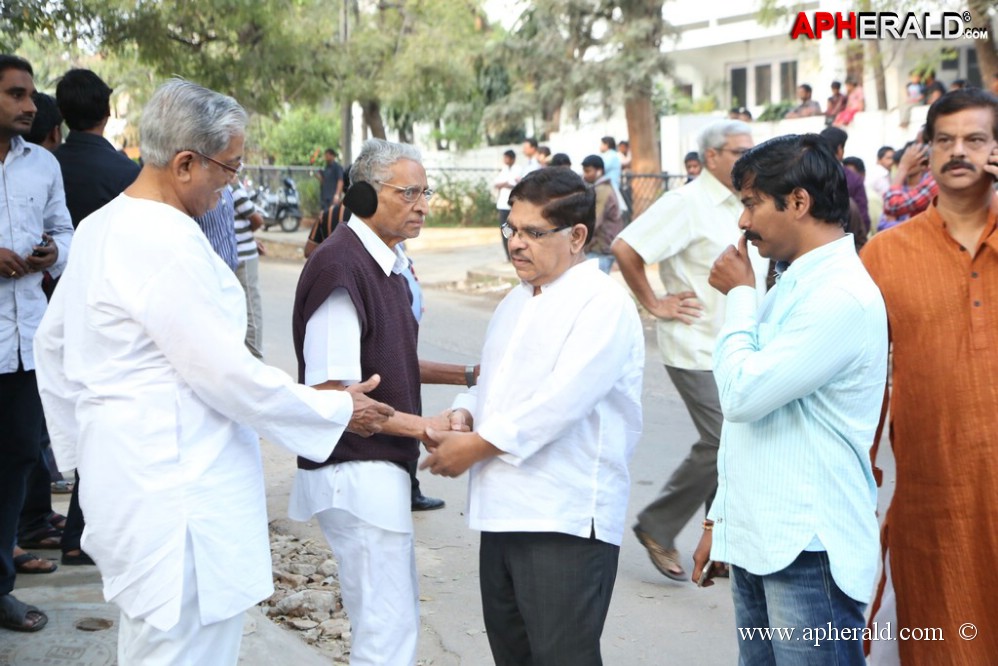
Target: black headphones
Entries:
(361, 199)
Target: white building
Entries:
(722, 51)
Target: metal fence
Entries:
(641, 190)
(464, 196)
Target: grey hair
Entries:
(185, 116)
(716, 135)
(376, 159)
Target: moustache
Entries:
(957, 164)
(751, 236)
(28, 119)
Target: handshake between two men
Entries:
(447, 436)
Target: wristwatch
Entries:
(469, 375)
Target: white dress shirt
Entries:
(32, 202)
(560, 394)
(507, 179)
(801, 381)
(684, 232)
(376, 491)
(150, 391)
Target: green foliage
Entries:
(262, 53)
(776, 111)
(417, 61)
(65, 20)
(563, 53)
(308, 195)
(461, 203)
(670, 102)
(297, 138)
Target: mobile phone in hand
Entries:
(45, 242)
(706, 571)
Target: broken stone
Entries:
(301, 568)
(301, 624)
(306, 602)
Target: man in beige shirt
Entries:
(684, 232)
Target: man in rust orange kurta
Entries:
(939, 276)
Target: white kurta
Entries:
(149, 390)
(560, 394)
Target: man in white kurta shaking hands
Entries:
(150, 391)
(556, 413)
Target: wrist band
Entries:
(708, 525)
(469, 375)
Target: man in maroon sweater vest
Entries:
(352, 314)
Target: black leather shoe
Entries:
(424, 503)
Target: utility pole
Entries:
(346, 117)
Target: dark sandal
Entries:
(14, 615)
(80, 559)
(57, 520)
(21, 560)
(48, 538)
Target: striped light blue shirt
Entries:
(801, 382)
(219, 225)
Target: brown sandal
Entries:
(21, 564)
(48, 538)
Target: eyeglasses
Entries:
(738, 152)
(411, 193)
(234, 170)
(508, 231)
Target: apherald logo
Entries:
(880, 25)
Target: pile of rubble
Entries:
(307, 595)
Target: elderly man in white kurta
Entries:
(557, 413)
(149, 390)
(683, 232)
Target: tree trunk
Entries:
(405, 132)
(439, 125)
(646, 158)
(987, 49)
(372, 117)
(552, 119)
(855, 64)
(877, 62)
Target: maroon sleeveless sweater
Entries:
(388, 333)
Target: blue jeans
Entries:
(605, 260)
(827, 624)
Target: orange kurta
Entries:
(942, 524)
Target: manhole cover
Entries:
(76, 635)
(94, 624)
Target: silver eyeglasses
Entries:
(411, 192)
(508, 231)
(234, 170)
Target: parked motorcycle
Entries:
(279, 208)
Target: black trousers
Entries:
(20, 449)
(74, 521)
(545, 597)
(37, 506)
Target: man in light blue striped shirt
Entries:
(800, 382)
(218, 224)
